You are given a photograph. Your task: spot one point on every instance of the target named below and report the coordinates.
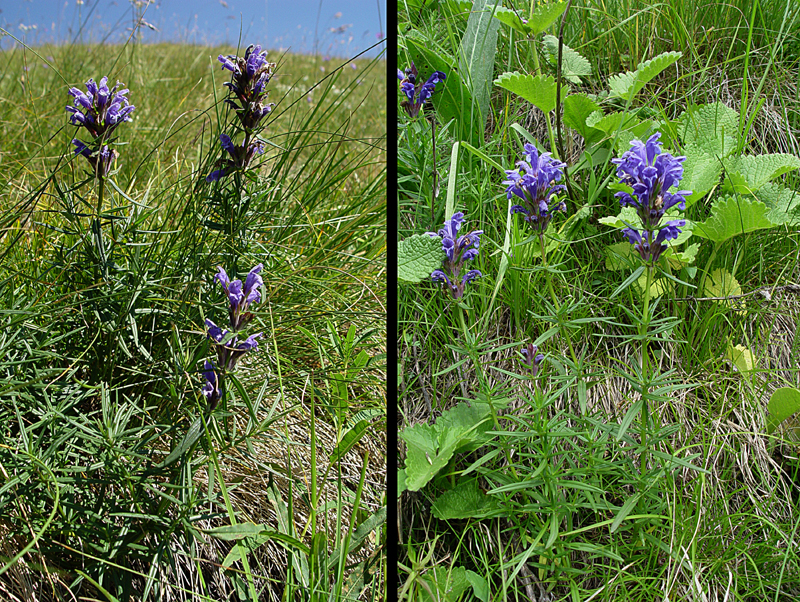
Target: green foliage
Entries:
(418, 256)
(539, 90)
(465, 500)
(626, 85)
(782, 404)
(452, 100)
(106, 295)
(476, 59)
(712, 129)
(544, 15)
(573, 65)
(733, 216)
(577, 108)
(748, 173)
(431, 447)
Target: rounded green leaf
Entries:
(783, 403)
(418, 256)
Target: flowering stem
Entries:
(643, 328)
(435, 174)
(552, 292)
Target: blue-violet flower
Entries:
(417, 92)
(240, 157)
(532, 358)
(535, 183)
(241, 296)
(251, 74)
(651, 173)
(458, 250)
(211, 388)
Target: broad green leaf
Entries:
(713, 128)
(513, 19)
(741, 357)
(480, 587)
(539, 90)
(430, 447)
(573, 64)
(466, 500)
(658, 287)
(731, 216)
(418, 256)
(747, 174)
(783, 203)
(577, 107)
(721, 283)
(476, 61)
(783, 403)
(701, 172)
(626, 217)
(446, 584)
(626, 85)
(545, 15)
(401, 481)
(620, 256)
(679, 259)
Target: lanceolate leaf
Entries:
(539, 90)
(732, 216)
(626, 85)
(418, 256)
(477, 65)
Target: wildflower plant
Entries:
(99, 111)
(458, 250)
(228, 347)
(251, 74)
(417, 94)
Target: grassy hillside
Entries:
(119, 481)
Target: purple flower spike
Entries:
(241, 295)
(532, 358)
(534, 182)
(458, 249)
(100, 111)
(417, 93)
(651, 173)
(251, 74)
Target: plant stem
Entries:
(435, 174)
(564, 331)
(644, 326)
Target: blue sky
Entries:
(334, 27)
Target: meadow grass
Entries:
(116, 482)
(615, 473)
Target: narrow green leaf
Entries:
(626, 509)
